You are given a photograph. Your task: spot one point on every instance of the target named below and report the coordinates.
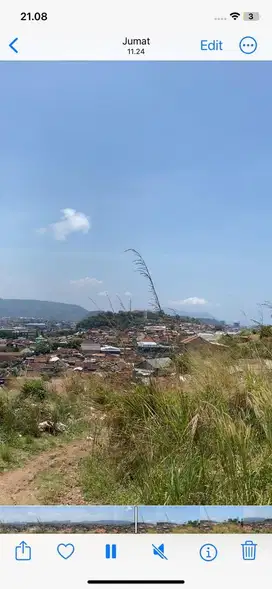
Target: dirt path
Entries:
(20, 487)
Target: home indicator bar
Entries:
(135, 582)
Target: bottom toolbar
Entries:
(79, 560)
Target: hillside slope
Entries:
(41, 310)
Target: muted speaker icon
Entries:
(159, 551)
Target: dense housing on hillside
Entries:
(122, 342)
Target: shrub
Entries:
(34, 388)
(5, 453)
(183, 363)
(265, 331)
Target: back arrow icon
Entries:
(11, 45)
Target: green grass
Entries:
(101, 484)
(22, 411)
(51, 485)
(6, 455)
(209, 442)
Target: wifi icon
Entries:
(235, 15)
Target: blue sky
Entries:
(221, 513)
(264, 511)
(172, 514)
(34, 513)
(172, 159)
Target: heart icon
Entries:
(65, 550)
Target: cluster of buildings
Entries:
(36, 348)
(30, 327)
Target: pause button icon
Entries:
(110, 550)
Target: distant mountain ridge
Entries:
(203, 317)
(206, 319)
(54, 311)
(196, 314)
(47, 310)
(249, 520)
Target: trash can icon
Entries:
(249, 550)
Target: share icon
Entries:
(159, 551)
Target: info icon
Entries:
(208, 552)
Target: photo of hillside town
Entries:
(208, 519)
(135, 293)
(63, 374)
(62, 399)
(68, 520)
(135, 519)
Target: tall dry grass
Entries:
(205, 441)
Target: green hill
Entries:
(127, 319)
(46, 310)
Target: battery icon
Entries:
(251, 16)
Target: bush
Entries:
(5, 453)
(183, 363)
(265, 331)
(34, 388)
(26, 418)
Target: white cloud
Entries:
(103, 293)
(70, 222)
(127, 293)
(81, 282)
(189, 301)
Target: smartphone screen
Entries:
(135, 294)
